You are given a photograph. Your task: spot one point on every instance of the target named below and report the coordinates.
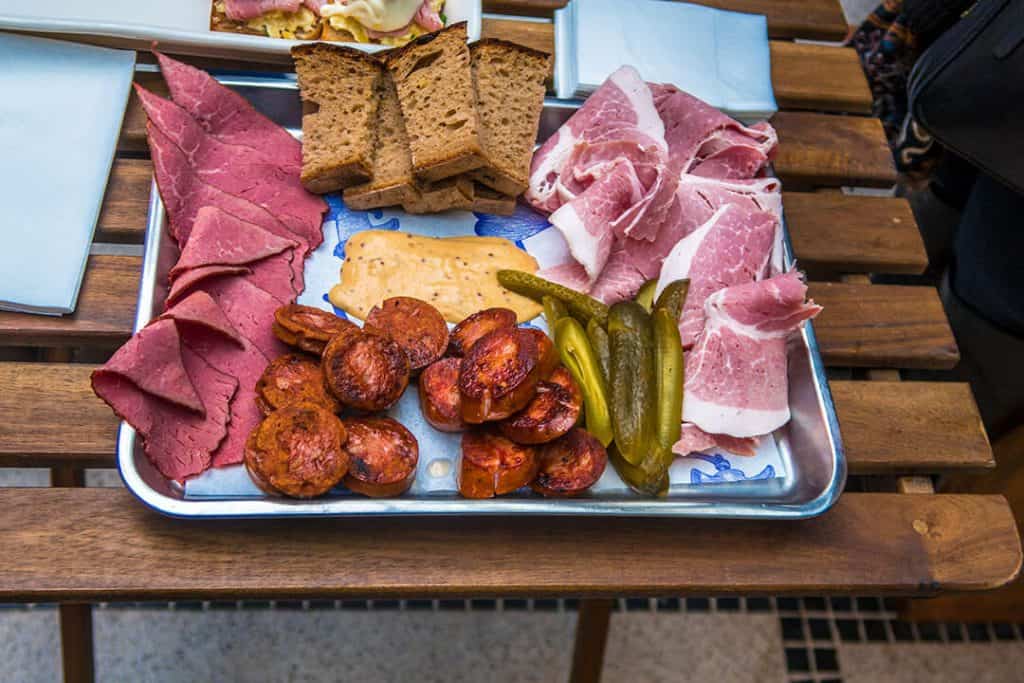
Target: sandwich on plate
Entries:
(381, 22)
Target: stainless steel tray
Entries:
(810, 447)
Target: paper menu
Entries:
(60, 117)
(721, 57)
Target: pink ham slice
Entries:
(184, 194)
(241, 10)
(178, 441)
(206, 330)
(705, 141)
(732, 247)
(238, 170)
(736, 375)
(695, 440)
(227, 115)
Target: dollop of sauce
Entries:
(457, 275)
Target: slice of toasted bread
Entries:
(391, 173)
(489, 200)
(339, 85)
(303, 24)
(435, 89)
(509, 81)
(450, 193)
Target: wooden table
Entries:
(75, 545)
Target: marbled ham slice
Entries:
(241, 10)
(732, 247)
(206, 330)
(238, 170)
(736, 375)
(178, 441)
(693, 439)
(227, 115)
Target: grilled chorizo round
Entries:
(569, 465)
(293, 378)
(383, 455)
(415, 325)
(499, 375)
(470, 330)
(307, 328)
(554, 410)
(365, 371)
(440, 400)
(492, 465)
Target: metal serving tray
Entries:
(809, 446)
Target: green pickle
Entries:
(554, 310)
(579, 358)
(645, 297)
(632, 384)
(638, 479)
(580, 306)
(673, 297)
(598, 337)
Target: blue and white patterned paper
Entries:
(439, 452)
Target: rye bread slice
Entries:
(489, 200)
(339, 87)
(450, 193)
(392, 167)
(435, 89)
(509, 81)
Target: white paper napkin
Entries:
(60, 116)
(721, 57)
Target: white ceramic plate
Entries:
(178, 26)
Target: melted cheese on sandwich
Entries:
(377, 15)
(281, 24)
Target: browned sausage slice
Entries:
(415, 325)
(297, 451)
(499, 376)
(293, 378)
(492, 465)
(546, 350)
(382, 456)
(570, 465)
(365, 371)
(554, 410)
(440, 400)
(308, 328)
(470, 330)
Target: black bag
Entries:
(967, 89)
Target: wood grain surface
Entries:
(862, 325)
(49, 416)
(822, 150)
(883, 326)
(833, 232)
(102, 544)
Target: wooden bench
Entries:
(75, 546)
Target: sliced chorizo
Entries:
(499, 375)
(293, 378)
(492, 465)
(307, 328)
(547, 353)
(570, 465)
(554, 410)
(383, 455)
(415, 325)
(470, 330)
(297, 451)
(440, 400)
(365, 371)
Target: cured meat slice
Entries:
(218, 238)
(236, 169)
(227, 115)
(736, 375)
(705, 141)
(151, 360)
(732, 247)
(178, 441)
(241, 10)
(694, 440)
(250, 310)
(206, 330)
(184, 194)
(586, 222)
(622, 109)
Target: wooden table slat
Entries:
(99, 544)
(49, 416)
(822, 150)
(883, 326)
(818, 77)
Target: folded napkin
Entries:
(60, 117)
(721, 57)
